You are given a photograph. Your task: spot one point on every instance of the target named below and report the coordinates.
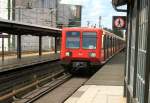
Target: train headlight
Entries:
(68, 54)
(92, 55)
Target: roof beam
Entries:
(14, 28)
(119, 10)
(117, 3)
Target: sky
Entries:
(92, 9)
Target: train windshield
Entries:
(89, 40)
(73, 40)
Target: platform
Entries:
(13, 63)
(106, 86)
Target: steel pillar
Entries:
(40, 45)
(2, 49)
(18, 46)
(56, 45)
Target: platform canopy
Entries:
(18, 28)
(119, 2)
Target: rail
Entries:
(36, 83)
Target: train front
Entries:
(80, 47)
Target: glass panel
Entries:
(133, 47)
(73, 40)
(89, 40)
(136, 55)
(142, 38)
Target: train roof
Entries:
(81, 28)
(112, 34)
(105, 32)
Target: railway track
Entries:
(42, 90)
(27, 85)
(16, 84)
(64, 91)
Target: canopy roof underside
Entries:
(119, 2)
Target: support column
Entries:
(9, 17)
(18, 46)
(2, 48)
(13, 18)
(55, 45)
(40, 45)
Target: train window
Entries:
(109, 42)
(73, 40)
(89, 40)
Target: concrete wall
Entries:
(3, 9)
(4, 15)
(36, 12)
(67, 13)
(42, 12)
(64, 14)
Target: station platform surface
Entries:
(105, 86)
(13, 63)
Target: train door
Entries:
(103, 48)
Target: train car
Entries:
(87, 47)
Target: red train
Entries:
(84, 47)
